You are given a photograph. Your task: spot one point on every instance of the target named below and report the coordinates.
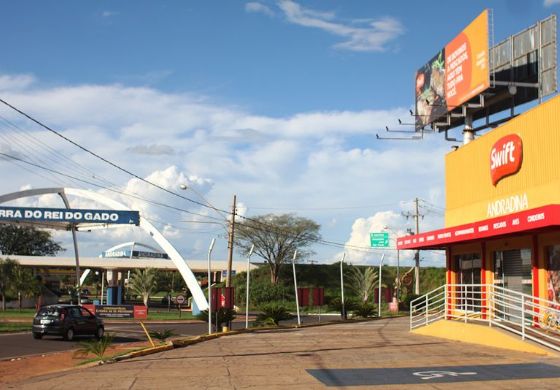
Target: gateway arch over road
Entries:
(180, 263)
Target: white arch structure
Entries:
(180, 263)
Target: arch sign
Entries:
(117, 213)
(35, 214)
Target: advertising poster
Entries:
(456, 74)
(553, 275)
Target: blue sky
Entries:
(277, 101)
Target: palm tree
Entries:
(362, 283)
(143, 283)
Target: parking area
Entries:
(380, 354)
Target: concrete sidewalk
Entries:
(351, 354)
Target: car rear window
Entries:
(46, 312)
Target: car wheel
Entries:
(99, 333)
(37, 335)
(69, 334)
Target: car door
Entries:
(76, 320)
(89, 321)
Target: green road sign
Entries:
(379, 240)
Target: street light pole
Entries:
(248, 277)
(343, 313)
(295, 286)
(230, 242)
(379, 290)
(210, 288)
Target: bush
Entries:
(96, 347)
(164, 334)
(364, 310)
(405, 304)
(349, 304)
(224, 316)
(272, 313)
(264, 292)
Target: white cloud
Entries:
(256, 7)
(108, 14)
(152, 149)
(373, 37)
(309, 162)
(16, 82)
(550, 3)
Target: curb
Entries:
(185, 342)
(143, 352)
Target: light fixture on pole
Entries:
(248, 277)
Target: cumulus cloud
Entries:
(256, 7)
(374, 36)
(308, 161)
(164, 150)
(383, 221)
(15, 82)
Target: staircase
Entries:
(530, 317)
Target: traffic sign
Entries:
(379, 240)
(180, 299)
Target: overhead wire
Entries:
(146, 181)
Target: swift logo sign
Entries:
(505, 157)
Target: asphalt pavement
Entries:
(14, 345)
(374, 354)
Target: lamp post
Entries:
(210, 288)
(295, 287)
(379, 290)
(343, 313)
(398, 263)
(248, 277)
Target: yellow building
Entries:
(502, 220)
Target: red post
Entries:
(318, 296)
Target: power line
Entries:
(128, 172)
(155, 203)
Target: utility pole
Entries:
(417, 255)
(416, 215)
(230, 242)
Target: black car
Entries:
(66, 321)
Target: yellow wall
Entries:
(469, 188)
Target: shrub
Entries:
(164, 334)
(407, 299)
(96, 347)
(364, 310)
(272, 313)
(350, 304)
(224, 315)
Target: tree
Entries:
(362, 282)
(276, 237)
(143, 283)
(24, 283)
(6, 277)
(27, 241)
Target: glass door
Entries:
(469, 268)
(512, 270)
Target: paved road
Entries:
(23, 344)
(377, 354)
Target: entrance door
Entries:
(468, 294)
(512, 270)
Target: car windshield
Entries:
(49, 312)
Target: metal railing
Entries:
(528, 316)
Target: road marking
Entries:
(440, 374)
